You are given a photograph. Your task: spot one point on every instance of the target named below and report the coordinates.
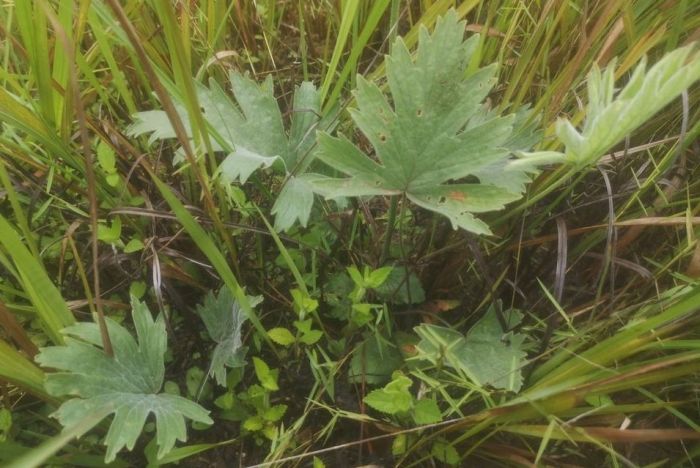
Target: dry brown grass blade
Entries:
(15, 331)
(610, 434)
(693, 269)
(640, 222)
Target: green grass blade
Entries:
(375, 14)
(20, 371)
(346, 22)
(39, 455)
(207, 246)
(48, 303)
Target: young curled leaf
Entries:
(610, 117)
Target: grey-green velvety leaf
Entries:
(221, 115)
(468, 154)
(155, 123)
(610, 118)
(494, 358)
(242, 163)
(263, 131)
(250, 129)
(342, 155)
(223, 317)
(431, 131)
(126, 385)
(293, 203)
(514, 174)
(331, 188)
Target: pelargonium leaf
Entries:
(242, 163)
(250, 130)
(294, 203)
(433, 129)
(486, 355)
(127, 385)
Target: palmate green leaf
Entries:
(126, 385)
(394, 398)
(251, 131)
(486, 355)
(434, 131)
(223, 318)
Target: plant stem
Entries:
(389, 230)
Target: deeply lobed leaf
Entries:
(610, 117)
(431, 131)
(224, 318)
(126, 385)
(251, 131)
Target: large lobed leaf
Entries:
(432, 130)
(253, 135)
(486, 355)
(126, 385)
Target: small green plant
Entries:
(224, 318)
(305, 334)
(253, 134)
(396, 399)
(252, 407)
(611, 115)
(486, 355)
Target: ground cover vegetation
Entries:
(320, 233)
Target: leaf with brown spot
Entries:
(433, 129)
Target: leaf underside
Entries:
(223, 317)
(610, 117)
